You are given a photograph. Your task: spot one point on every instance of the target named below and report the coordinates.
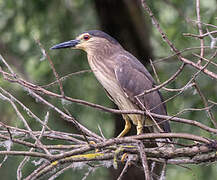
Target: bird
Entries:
(124, 78)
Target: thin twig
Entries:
(143, 157)
(66, 76)
(53, 68)
(200, 31)
(126, 166)
(203, 98)
(172, 47)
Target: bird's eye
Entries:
(86, 37)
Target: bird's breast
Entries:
(106, 76)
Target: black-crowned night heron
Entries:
(123, 77)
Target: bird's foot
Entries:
(93, 143)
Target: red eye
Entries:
(86, 37)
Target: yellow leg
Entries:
(139, 127)
(127, 126)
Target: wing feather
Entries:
(134, 79)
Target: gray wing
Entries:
(134, 79)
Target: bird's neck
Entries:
(101, 63)
(102, 52)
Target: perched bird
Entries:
(123, 77)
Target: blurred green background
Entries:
(51, 22)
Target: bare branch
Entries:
(200, 30)
(90, 150)
(143, 157)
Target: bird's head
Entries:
(91, 41)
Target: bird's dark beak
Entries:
(67, 44)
